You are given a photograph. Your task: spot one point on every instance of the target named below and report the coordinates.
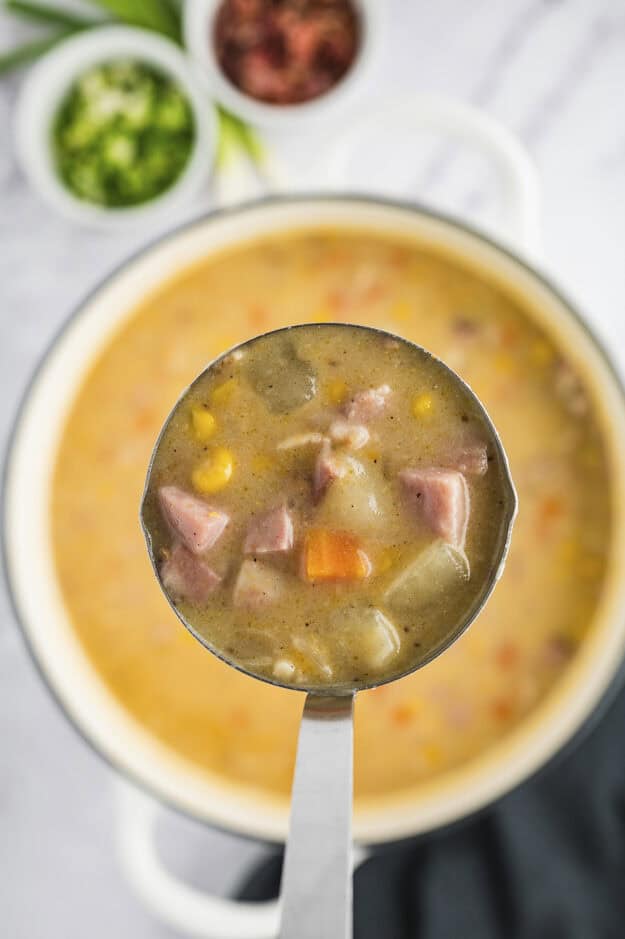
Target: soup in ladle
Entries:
(327, 506)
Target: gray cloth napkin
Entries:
(546, 862)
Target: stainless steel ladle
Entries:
(316, 895)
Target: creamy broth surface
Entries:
(449, 712)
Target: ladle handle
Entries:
(317, 877)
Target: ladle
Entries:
(317, 878)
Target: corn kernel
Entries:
(541, 353)
(214, 472)
(432, 754)
(422, 405)
(227, 341)
(504, 364)
(401, 311)
(223, 393)
(203, 423)
(322, 315)
(335, 391)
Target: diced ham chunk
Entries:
(187, 577)
(258, 585)
(557, 650)
(366, 405)
(349, 433)
(441, 498)
(270, 532)
(570, 390)
(471, 458)
(328, 467)
(197, 524)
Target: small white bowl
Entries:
(198, 23)
(48, 83)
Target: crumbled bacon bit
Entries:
(286, 51)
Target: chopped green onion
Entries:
(123, 134)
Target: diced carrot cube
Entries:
(334, 555)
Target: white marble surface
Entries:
(553, 71)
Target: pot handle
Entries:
(190, 911)
(182, 907)
(521, 212)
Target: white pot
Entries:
(65, 666)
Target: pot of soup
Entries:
(186, 729)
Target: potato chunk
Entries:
(357, 500)
(437, 568)
(313, 657)
(370, 634)
(258, 585)
(282, 379)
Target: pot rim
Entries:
(405, 207)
